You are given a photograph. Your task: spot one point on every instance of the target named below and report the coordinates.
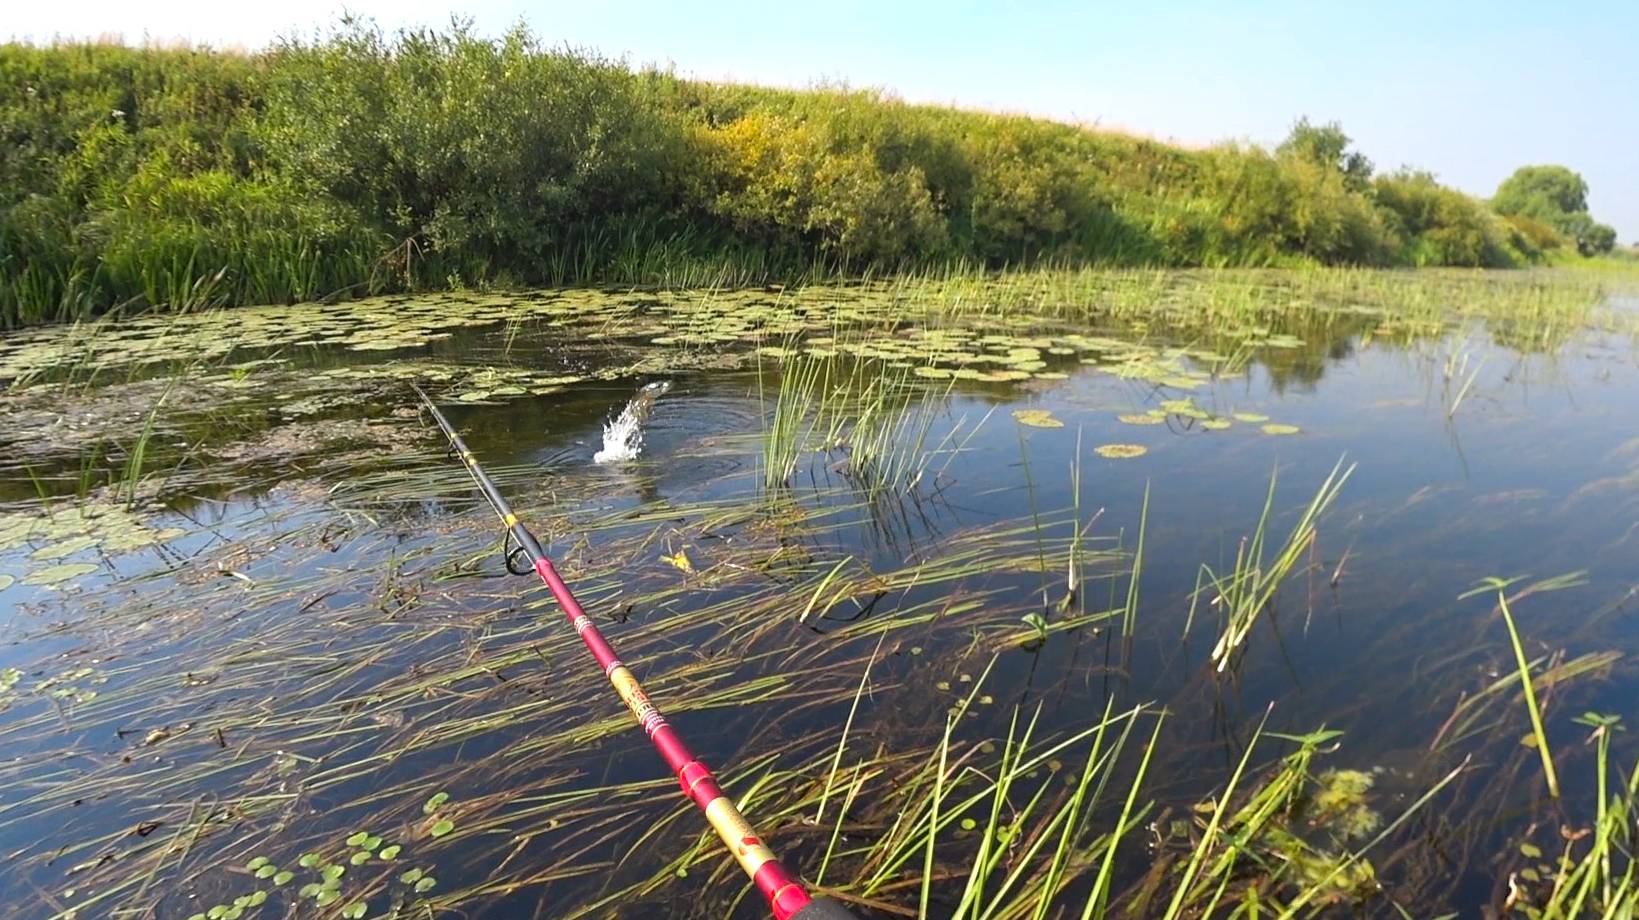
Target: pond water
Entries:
(256, 623)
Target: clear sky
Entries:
(1469, 90)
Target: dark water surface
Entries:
(329, 639)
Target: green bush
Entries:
(1441, 226)
(364, 161)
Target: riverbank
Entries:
(364, 163)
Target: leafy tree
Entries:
(1541, 192)
(1327, 145)
(1557, 197)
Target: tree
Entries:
(1541, 192)
(1557, 197)
(1327, 145)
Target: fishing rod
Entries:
(786, 896)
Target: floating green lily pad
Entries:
(57, 574)
(65, 548)
(1278, 428)
(1121, 451)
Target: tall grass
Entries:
(1242, 593)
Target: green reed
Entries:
(1243, 592)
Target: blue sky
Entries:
(1468, 90)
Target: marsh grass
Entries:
(1244, 591)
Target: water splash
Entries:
(623, 437)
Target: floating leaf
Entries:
(283, 877)
(444, 826)
(1140, 419)
(354, 910)
(371, 843)
(327, 896)
(359, 858)
(357, 839)
(434, 803)
(1036, 418)
(1278, 428)
(1251, 418)
(333, 873)
(425, 885)
(680, 561)
(1530, 851)
(6, 581)
(256, 899)
(389, 852)
(1216, 424)
(1121, 451)
(311, 889)
(256, 863)
(57, 574)
(410, 876)
(969, 824)
(308, 860)
(267, 871)
(65, 548)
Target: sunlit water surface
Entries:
(327, 643)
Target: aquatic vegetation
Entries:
(1538, 735)
(1146, 418)
(1241, 593)
(926, 640)
(58, 532)
(1036, 418)
(1120, 451)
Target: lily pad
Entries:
(1121, 451)
(1036, 418)
(58, 574)
(1251, 418)
(66, 548)
(1278, 428)
(1137, 418)
(1216, 424)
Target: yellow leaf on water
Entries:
(1036, 418)
(1121, 451)
(681, 562)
